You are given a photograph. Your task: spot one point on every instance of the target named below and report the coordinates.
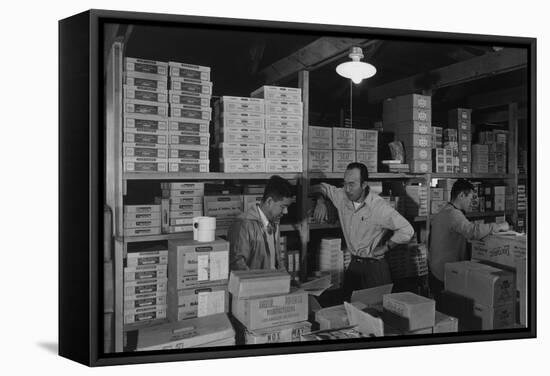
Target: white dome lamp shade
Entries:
(356, 70)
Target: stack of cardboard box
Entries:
(482, 297)
(320, 155)
(480, 158)
(443, 161)
(331, 259)
(415, 202)
(522, 198)
(190, 115)
(179, 204)
(438, 199)
(497, 142)
(284, 127)
(450, 144)
(268, 312)
(366, 148)
(343, 148)
(437, 137)
(409, 117)
(145, 116)
(409, 313)
(460, 119)
(223, 203)
(408, 260)
(142, 220)
(145, 284)
(239, 132)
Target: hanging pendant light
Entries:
(356, 70)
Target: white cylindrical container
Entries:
(204, 229)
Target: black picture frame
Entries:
(81, 181)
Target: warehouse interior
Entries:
(487, 83)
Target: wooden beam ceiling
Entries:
(497, 117)
(498, 98)
(313, 55)
(489, 64)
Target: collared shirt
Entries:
(366, 226)
(270, 237)
(450, 230)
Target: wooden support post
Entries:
(513, 157)
(303, 186)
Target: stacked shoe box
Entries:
(239, 131)
(343, 145)
(522, 197)
(145, 285)
(331, 259)
(142, 220)
(460, 119)
(145, 116)
(443, 161)
(284, 128)
(180, 203)
(320, 149)
(197, 279)
(266, 309)
(450, 142)
(480, 158)
(437, 137)
(416, 200)
(190, 115)
(409, 117)
(366, 148)
(497, 143)
(223, 203)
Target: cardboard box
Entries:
(269, 311)
(193, 127)
(484, 284)
(274, 107)
(228, 120)
(145, 107)
(284, 151)
(191, 71)
(420, 166)
(145, 122)
(277, 334)
(145, 94)
(145, 300)
(193, 264)
(366, 140)
(492, 317)
(284, 122)
(198, 167)
(415, 140)
(185, 334)
(145, 167)
(274, 139)
(190, 112)
(242, 104)
(145, 66)
(151, 81)
(459, 114)
(445, 323)
(191, 303)
(159, 257)
(140, 223)
(145, 314)
(245, 284)
(334, 317)
(343, 138)
(141, 208)
(145, 136)
(145, 150)
(191, 86)
(341, 159)
(283, 165)
(418, 153)
(189, 155)
(401, 114)
(188, 99)
(183, 138)
(408, 311)
(242, 165)
(134, 288)
(138, 273)
(411, 126)
(320, 138)
(277, 93)
(243, 136)
(236, 150)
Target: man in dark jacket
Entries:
(254, 236)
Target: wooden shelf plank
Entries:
(373, 176)
(144, 324)
(206, 176)
(471, 176)
(469, 215)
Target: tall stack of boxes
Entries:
(180, 203)
(450, 144)
(331, 259)
(198, 278)
(482, 297)
(343, 145)
(522, 198)
(437, 137)
(320, 149)
(366, 148)
(409, 118)
(497, 144)
(267, 310)
(460, 119)
(145, 286)
(240, 133)
(142, 220)
(443, 160)
(480, 158)
(145, 116)
(283, 127)
(416, 200)
(190, 115)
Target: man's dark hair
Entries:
(461, 185)
(277, 188)
(362, 169)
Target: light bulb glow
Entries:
(356, 70)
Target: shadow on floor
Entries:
(49, 346)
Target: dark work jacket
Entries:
(248, 247)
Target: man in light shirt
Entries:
(365, 218)
(253, 236)
(450, 231)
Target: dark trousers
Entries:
(436, 288)
(363, 273)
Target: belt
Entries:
(364, 259)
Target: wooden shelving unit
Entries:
(206, 176)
